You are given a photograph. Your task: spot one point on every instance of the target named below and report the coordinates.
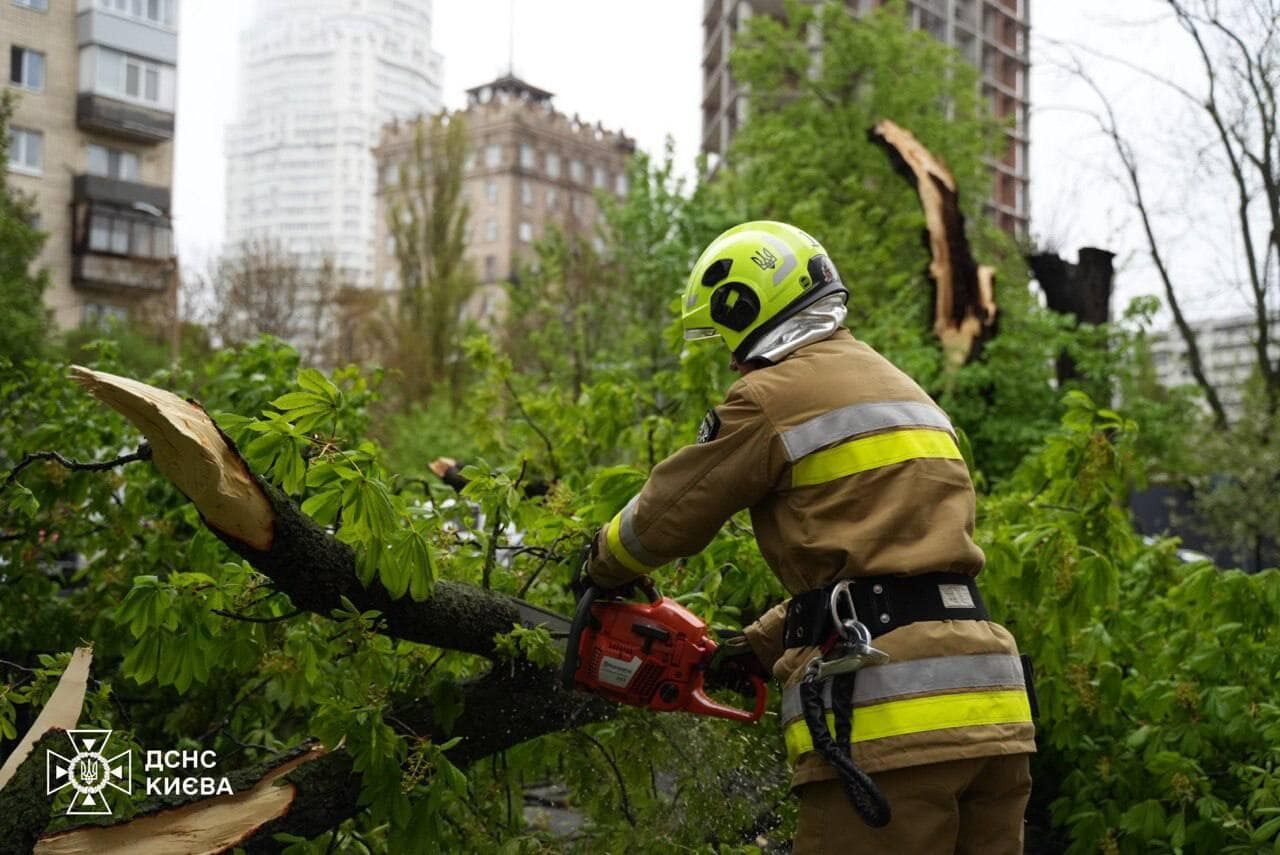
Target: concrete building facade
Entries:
(318, 80)
(528, 167)
(993, 35)
(91, 139)
(1228, 350)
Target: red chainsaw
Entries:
(651, 655)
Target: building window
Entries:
(599, 177)
(491, 230)
(577, 172)
(526, 156)
(490, 268)
(26, 68)
(575, 203)
(553, 198)
(525, 232)
(103, 314)
(129, 77)
(620, 185)
(154, 11)
(37, 5)
(123, 233)
(553, 165)
(493, 155)
(26, 150)
(491, 190)
(526, 193)
(113, 162)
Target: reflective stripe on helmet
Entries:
(920, 715)
(872, 452)
(620, 537)
(857, 419)
(894, 680)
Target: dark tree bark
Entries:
(1081, 291)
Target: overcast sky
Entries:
(635, 66)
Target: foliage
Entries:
(803, 157)
(427, 218)
(1157, 679)
(1238, 478)
(21, 289)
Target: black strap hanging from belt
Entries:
(859, 789)
(885, 603)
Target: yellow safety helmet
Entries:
(751, 279)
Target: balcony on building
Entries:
(122, 238)
(128, 55)
(119, 119)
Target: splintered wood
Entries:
(207, 826)
(965, 306)
(190, 450)
(61, 712)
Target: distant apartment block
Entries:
(92, 140)
(993, 35)
(528, 167)
(1228, 349)
(318, 80)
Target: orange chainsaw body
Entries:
(652, 655)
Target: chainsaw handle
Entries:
(701, 703)
(581, 617)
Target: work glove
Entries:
(734, 663)
(582, 577)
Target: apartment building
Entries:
(318, 80)
(528, 167)
(92, 140)
(1228, 351)
(993, 35)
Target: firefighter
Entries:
(850, 472)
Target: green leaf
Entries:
(411, 557)
(323, 507)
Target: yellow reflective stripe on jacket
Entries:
(872, 452)
(613, 539)
(917, 715)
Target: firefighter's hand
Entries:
(734, 664)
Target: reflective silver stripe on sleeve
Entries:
(848, 422)
(919, 676)
(627, 533)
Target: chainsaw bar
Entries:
(533, 616)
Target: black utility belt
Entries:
(885, 603)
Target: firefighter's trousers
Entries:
(965, 807)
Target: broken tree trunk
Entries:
(1081, 290)
(504, 707)
(964, 314)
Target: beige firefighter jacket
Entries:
(848, 469)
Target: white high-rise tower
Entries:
(318, 80)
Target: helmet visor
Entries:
(700, 333)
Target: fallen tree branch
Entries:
(509, 704)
